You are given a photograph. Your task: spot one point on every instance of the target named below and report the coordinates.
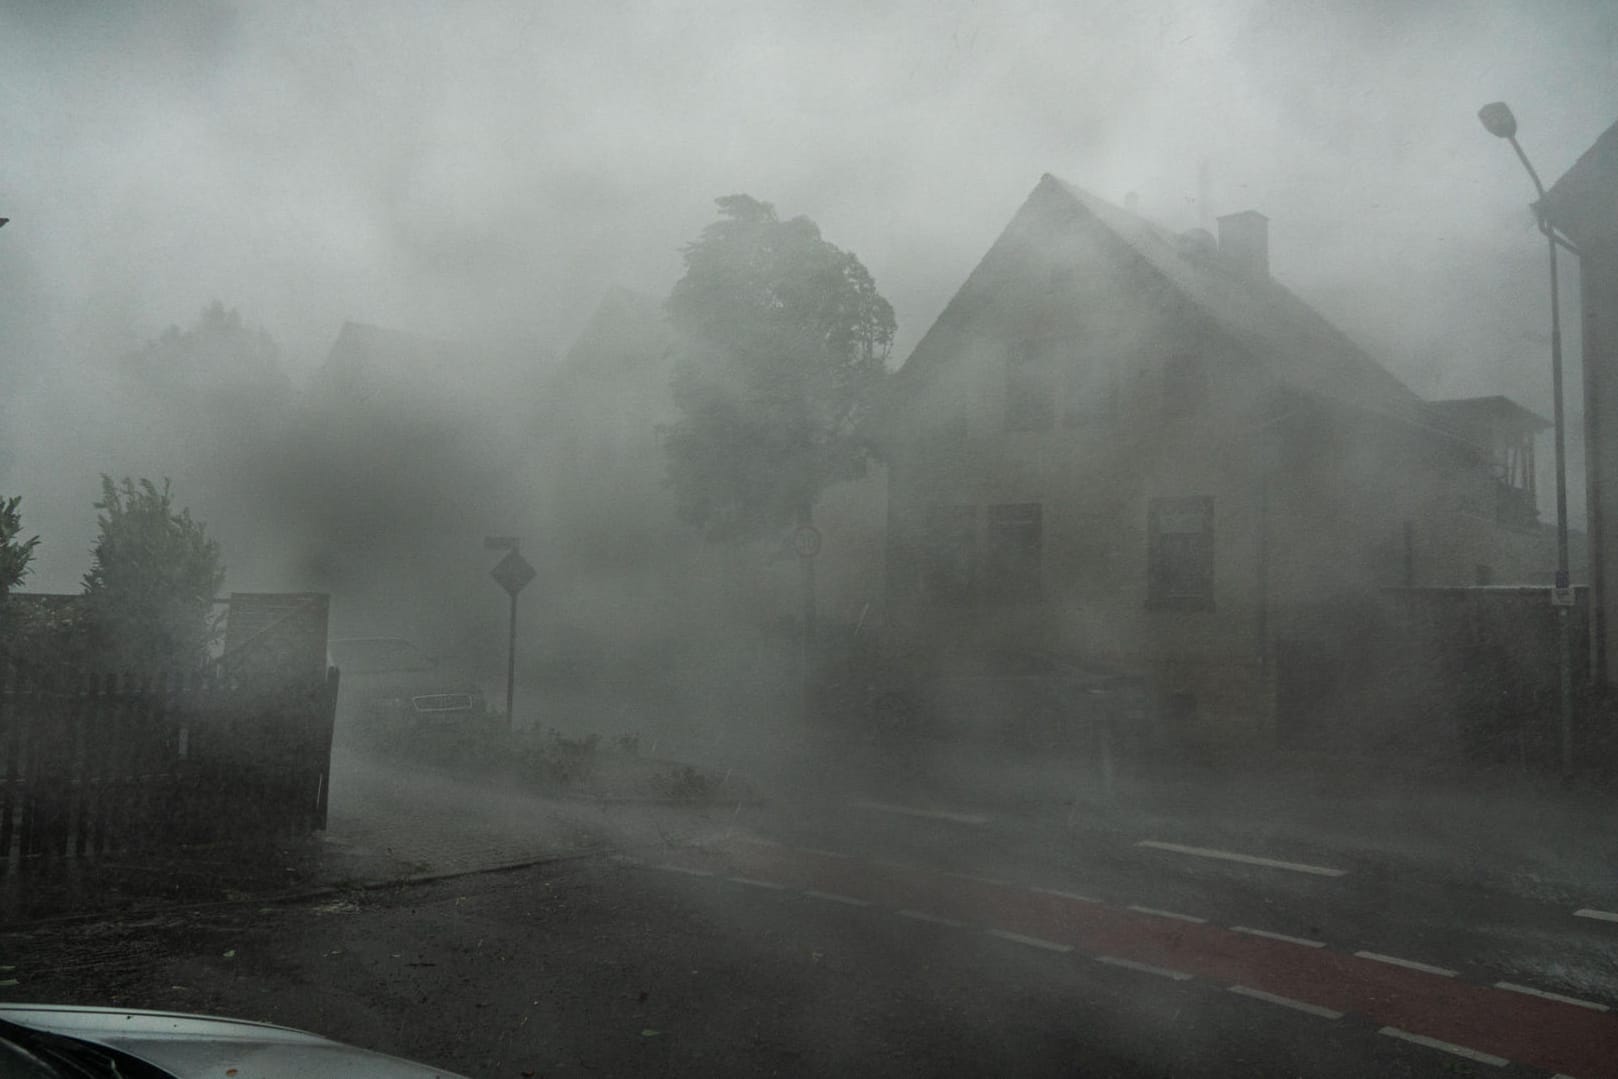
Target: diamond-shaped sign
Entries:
(513, 573)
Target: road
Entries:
(857, 933)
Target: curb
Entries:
(316, 892)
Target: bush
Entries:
(151, 586)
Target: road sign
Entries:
(806, 541)
(1562, 597)
(513, 573)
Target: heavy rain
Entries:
(804, 539)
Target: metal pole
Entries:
(809, 634)
(511, 666)
(1564, 619)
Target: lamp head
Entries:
(1499, 121)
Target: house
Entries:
(1140, 450)
(1582, 206)
(405, 456)
(637, 603)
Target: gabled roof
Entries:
(364, 355)
(1289, 337)
(627, 330)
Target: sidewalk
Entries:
(386, 822)
(1498, 828)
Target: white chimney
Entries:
(1244, 240)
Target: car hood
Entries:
(198, 1045)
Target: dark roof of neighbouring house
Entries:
(1582, 202)
(364, 355)
(627, 329)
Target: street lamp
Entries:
(1498, 120)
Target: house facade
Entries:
(1582, 205)
(1138, 450)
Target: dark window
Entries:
(1092, 393)
(1185, 386)
(1030, 387)
(1012, 551)
(1179, 557)
(950, 553)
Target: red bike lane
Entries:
(1530, 1030)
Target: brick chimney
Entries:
(1244, 240)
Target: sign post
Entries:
(513, 573)
(806, 543)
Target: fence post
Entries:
(328, 721)
(11, 730)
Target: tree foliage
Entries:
(221, 362)
(15, 554)
(784, 342)
(150, 590)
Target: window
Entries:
(1185, 386)
(1030, 387)
(1092, 393)
(950, 554)
(1012, 551)
(1179, 557)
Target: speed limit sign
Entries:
(806, 541)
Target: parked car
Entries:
(395, 695)
(54, 1041)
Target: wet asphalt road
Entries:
(855, 935)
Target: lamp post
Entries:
(1498, 120)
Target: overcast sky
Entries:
(456, 168)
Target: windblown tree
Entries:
(150, 590)
(15, 553)
(784, 343)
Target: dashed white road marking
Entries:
(1287, 1002)
(683, 869)
(884, 863)
(923, 916)
(824, 853)
(1598, 915)
(835, 898)
(770, 884)
(1267, 935)
(975, 879)
(1075, 896)
(931, 814)
(1194, 920)
(1245, 859)
(1531, 991)
(1408, 964)
(1033, 942)
(1145, 968)
(1448, 1047)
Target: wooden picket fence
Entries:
(98, 763)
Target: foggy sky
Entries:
(487, 170)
